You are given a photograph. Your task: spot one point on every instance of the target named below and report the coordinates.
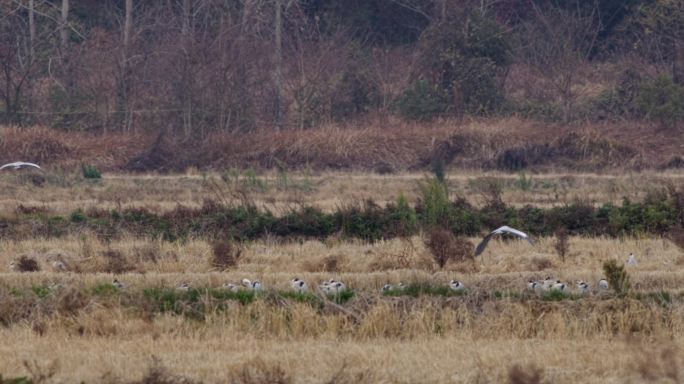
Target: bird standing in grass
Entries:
(456, 285)
(299, 285)
(231, 287)
(603, 284)
(253, 285)
(184, 286)
(547, 283)
(337, 286)
(559, 286)
(583, 287)
(59, 266)
(118, 284)
(533, 285)
(632, 259)
(501, 231)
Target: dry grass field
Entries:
(70, 324)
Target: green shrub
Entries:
(661, 100)
(436, 206)
(423, 100)
(464, 54)
(91, 172)
(78, 216)
(524, 183)
(617, 277)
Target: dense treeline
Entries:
(658, 214)
(197, 66)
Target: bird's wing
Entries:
(483, 244)
(512, 231)
(8, 165)
(31, 165)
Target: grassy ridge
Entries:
(656, 214)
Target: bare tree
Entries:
(63, 27)
(555, 44)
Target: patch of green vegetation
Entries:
(78, 216)
(524, 183)
(91, 172)
(15, 380)
(301, 297)
(243, 296)
(342, 297)
(106, 289)
(556, 295)
(420, 289)
(41, 291)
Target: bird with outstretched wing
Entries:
(19, 165)
(500, 231)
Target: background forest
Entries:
(193, 67)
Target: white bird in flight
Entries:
(20, 164)
(500, 231)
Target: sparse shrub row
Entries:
(657, 214)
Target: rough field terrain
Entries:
(66, 321)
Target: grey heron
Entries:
(500, 231)
(19, 165)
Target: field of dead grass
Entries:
(73, 326)
(64, 192)
(381, 145)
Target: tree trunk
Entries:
(63, 30)
(279, 64)
(124, 81)
(32, 31)
(678, 59)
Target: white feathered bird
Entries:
(19, 165)
(500, 231)
(299, 285)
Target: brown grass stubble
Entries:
(371, 144)
(326, 191)
(469, 339)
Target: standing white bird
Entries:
(533, 285)
(256, 286)
(231, 287)
(325, 287)
(337, 286)
(632, 259)
(184, 286)
(456, 285)
(118, 284)
(59, 266)
(500, 231)
(253, 285)
(547, 283)
(391, 288)
(299, 285)
(559, 286)
(603, 284)
(583, 287)
(20, 164)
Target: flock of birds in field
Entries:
(332, 286)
